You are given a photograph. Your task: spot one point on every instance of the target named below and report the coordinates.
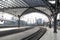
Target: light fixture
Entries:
(3, 0)
(8, 0)
(52, 2)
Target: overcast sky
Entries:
(33, 16)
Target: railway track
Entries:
(37, 35)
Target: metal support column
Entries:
(50, 22)
(55, 24)
(18, 20)
(55, 16)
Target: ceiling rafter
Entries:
(5, 4)
(19, 3)
(15, 3)
(10, 3)
(22, 3)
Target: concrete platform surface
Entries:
(19, 36)
(5, 29)
(49, 35)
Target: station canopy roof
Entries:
(21, 4)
